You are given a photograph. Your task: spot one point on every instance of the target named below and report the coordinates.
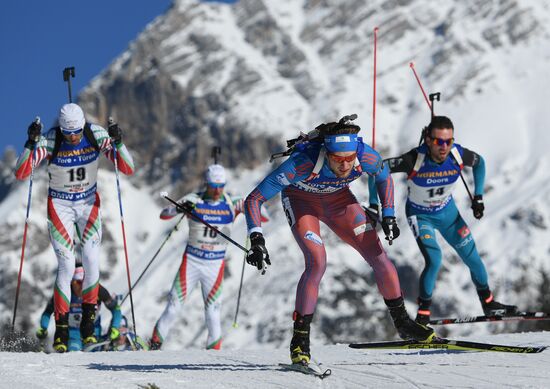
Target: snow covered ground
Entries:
(258, 368)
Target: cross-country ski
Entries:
(481, 319)
(449, 344)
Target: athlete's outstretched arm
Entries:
(23, 166)
(171, 211)
(124, 159)
(476, 161)
(402, 164)
(296, 168)
(374, 166)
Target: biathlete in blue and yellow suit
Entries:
(315, 187)
(432, 171)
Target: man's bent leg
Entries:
(307, 234)
(61, 228)
(212, 286)
(459, 236)
(89, 224)
(354, 229)
(183, 284)
(302, 212)
(351, 225)
(424, 233)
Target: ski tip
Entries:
(314, 370)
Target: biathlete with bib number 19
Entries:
(72, 150)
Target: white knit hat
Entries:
(71, 117)
(215, 175)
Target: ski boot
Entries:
(61, 336)
(299, 345)
(87, 324)
(407, 328)
(423, 314)
(155, 343)
(492, 307)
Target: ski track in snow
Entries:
(259, 368)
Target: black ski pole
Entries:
(175, 228)
(67, 74)
(216, 151)
(467, 188)
(434, 97)
(165, 195)
(235, 325)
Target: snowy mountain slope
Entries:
(205, 74)
(253, 368)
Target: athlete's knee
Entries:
(310, 242)
(316, 268)
(64, 275)
(467, 250)
(212, 309)
(315, 256)
(428, 241)
(174, 302)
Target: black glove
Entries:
(257, 254)
(477, 206)
(33, 132)
(372, 214)
(389, 225)
(115, 133)
(186, 207)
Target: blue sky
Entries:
(39, 38)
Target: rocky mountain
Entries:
(248, 76)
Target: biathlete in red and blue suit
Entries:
(314, 182)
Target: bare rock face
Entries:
(207, 74)
(172, 131)
(6, 172)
